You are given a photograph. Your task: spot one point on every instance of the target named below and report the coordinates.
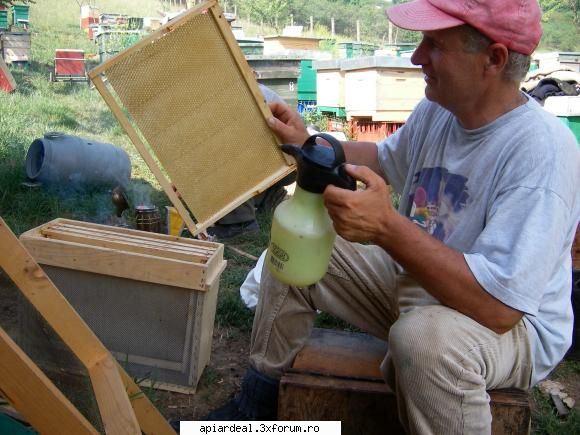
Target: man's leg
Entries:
(358, 288)
(440, 363)
(240, 220)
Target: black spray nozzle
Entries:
(319, 165)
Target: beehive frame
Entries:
(190, 104)
(123, 408)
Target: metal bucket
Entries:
(76, 162)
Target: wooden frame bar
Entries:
(35, 396)
(112, 386)
(125, 253)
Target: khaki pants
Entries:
(439, 362)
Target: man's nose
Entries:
(419, 56)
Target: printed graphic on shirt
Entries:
(437, 201)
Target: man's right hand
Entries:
(287, 125)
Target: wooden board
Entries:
(190, 104)
(16, 47)
(110, 383)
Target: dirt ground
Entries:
(219, 383)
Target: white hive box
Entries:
(150, 298)
(563, 105)
(329, 83)
(382, 88)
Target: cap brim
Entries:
(421, 15)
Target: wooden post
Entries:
(292, 19)
(332, 26)
(311, 24)
(390, 33)
(357, 31)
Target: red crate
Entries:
(7, 83)
(69, 65)
(87, 21)
(372, 131)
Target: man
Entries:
(470, 281)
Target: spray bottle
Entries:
(302, 234)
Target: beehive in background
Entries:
(382, 88)
(191, 105)
(330, 86)
(150, 298)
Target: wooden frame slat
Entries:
(24, 385)
(124, 253)
(115, 409)
(132, 412)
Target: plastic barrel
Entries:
(58, 158)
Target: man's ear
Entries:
(497, 58)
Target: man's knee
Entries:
(418, 339)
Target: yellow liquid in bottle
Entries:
(301, 241)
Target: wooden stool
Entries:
(337, 377)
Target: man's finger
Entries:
(362, 173)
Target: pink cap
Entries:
(514, 23)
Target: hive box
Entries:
(382, 88)
(150, 298)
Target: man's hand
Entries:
(362, 215)
(287, 125)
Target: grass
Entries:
(545, 419)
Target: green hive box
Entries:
(19, 14)
(306, 81)
(4, 20)
(573, 123)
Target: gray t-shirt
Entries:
(507, 196)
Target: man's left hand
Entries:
(361, 215)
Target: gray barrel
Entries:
(64, 159)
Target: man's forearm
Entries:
(443, 272)
(363, 154)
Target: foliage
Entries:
(561, 20)
(271, 12)
(7, 3)
(571, 7)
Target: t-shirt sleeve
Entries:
(510, 257)
(395, 152)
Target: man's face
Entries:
(453, 76)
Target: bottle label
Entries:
(278, 256)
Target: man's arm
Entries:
(367, 215)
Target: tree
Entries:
(566, 6)
(272, 12)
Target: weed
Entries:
(545, 420)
